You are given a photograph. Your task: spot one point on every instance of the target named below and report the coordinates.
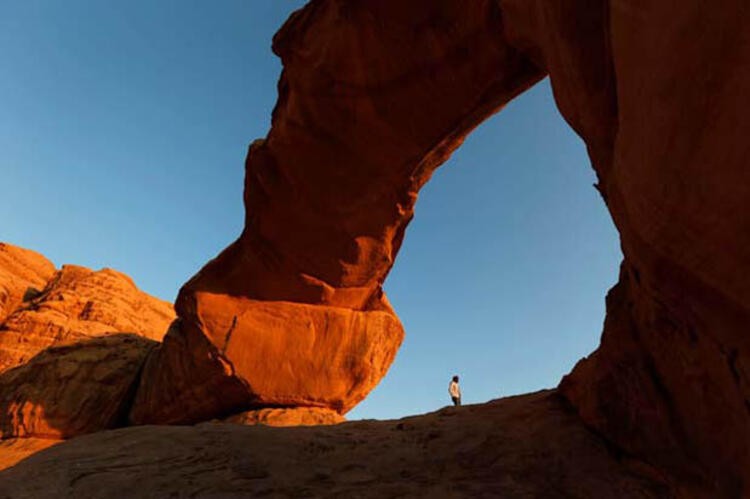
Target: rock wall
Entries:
(72, 345)
(53, 308)
(71, 390)
(660, 92)
(22, 274)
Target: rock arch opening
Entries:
(504, 269)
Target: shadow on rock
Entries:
(71, 390)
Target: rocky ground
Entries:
(530, 446)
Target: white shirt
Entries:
(454, 390)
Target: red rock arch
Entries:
(374, 96)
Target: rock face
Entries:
(375, 95)
(71, 390)
(72, 344)
(660, 93)
(292, 416)
(22, 274)
(13, 450)
(521, 447)
(270, 354)
(78, 304)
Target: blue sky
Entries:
(123, 132)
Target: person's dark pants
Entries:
(456, 401)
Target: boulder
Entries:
(73, 389)
(268, 354)
(71, 345)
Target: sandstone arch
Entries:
(374, 96)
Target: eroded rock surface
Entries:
(660, 92)
(375, 95)
(267, 354)
(72, 344)
(13, 450)
(77, 304)
(74, 389)
(288, 416)
(22, 274)
(520, 447)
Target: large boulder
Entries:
(74, 389)
(249, 354)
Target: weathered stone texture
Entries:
(77, 304)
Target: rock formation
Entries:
(13, 450)
(73, 304)
(375, 95)
(23, 273)
(72, 344)
(71, 390)
(328, 195)
(263, 354)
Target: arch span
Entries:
(373, 97)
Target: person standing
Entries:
(455, 391)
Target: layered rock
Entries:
(78, 304)
(23, 273)
(72, 344)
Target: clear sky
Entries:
(123, 132)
